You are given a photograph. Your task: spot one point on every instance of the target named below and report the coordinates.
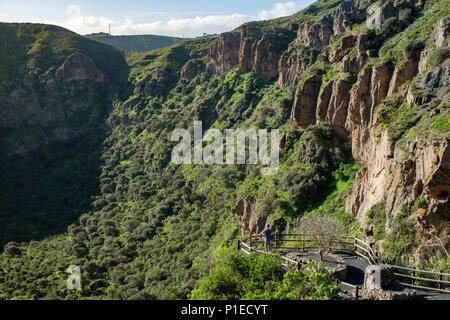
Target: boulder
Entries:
(191, 69)
(441, 32)
(80, 67)
(317, 35)
(249, 220)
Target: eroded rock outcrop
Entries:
(353, 52)
(316, 35)
(304, 110)
(346, 45)
(248, 50)
(333, 103)
(409, 68)
(267, 55)
(290, 67)
(249, 220)
(386, 177)
(441, 33)
(398, 174)
(80, 67)
(46, 105)
(223, 55)
(191, 69)
(369, 91)
(433, 178)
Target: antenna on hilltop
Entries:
(109, 28)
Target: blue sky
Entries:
(174, 17)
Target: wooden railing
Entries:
(248, 249)
(420, 279)
(363, 250)
(305, 243)
(355, 289)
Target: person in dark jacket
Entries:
(267, 237)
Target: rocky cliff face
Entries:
(250, 221)
(39, 107)
(249, 50)
(396, 171)
(54, 85)
(79, 67)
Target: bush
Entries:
(390, 27)
(376, 216)
(13, 249)
(303, 187)
(412, 49)
(441, 124)
(405, 16)
(312, 283)
(261, 277)
(402, 240)
(439, 56)
(323, 230)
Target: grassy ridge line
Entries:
(136, 43)
(41, 46)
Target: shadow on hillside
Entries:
(48, 189)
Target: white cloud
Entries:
(83, 24)
(170, 13)
(188, 27)
(278, 10)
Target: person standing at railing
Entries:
(267, 237)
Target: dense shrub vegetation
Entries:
(140, 227)
(236, 276)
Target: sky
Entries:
(164, 17)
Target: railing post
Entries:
(277, 240)
(354, 244)
(440, 283)
(239, 245)
(414, 275)
(356, 293)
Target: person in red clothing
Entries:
(267, 237)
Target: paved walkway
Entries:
(355, 276)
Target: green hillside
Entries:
(42, 46)
(138, 43)
(45, 186)
(364, 141)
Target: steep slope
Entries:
(339, 92)
(50, 75)
(56, 90)
(139, 43)
(393, 106)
